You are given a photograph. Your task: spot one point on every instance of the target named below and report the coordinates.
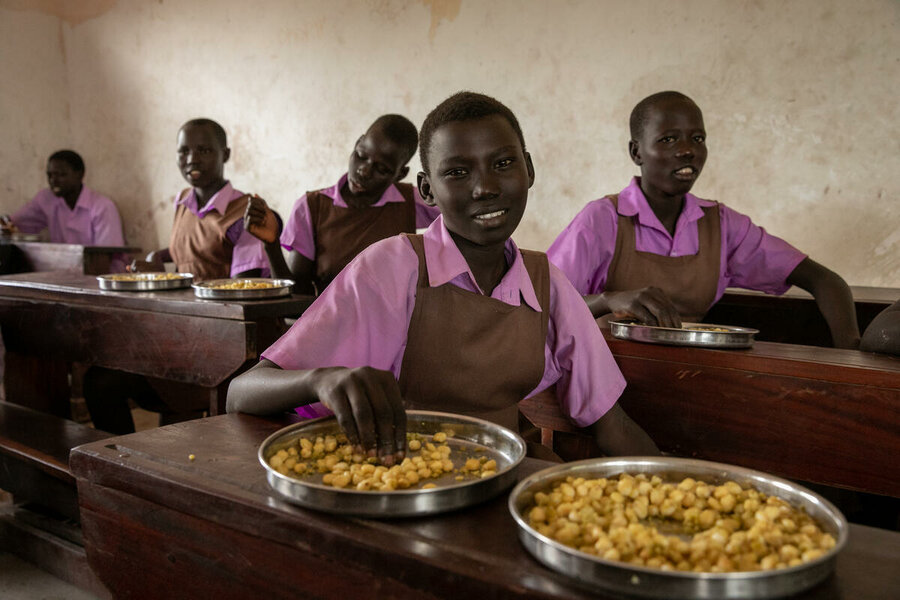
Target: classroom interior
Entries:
(798, 98)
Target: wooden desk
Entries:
(55, 317)
(211, 528)
(91, 260)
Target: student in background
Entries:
(659, 254)
(458, 319)
(328, 227)
(70, 211)
(883, 333)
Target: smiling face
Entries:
(479, 178)
(63, 179)
(376, 162)
(201, 157)
(671, 150)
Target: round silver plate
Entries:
(691, 334)
(21, 237)
(596, 573)
(473, 435)
(143, 282)
(210, 289)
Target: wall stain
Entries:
(73, 13)
(441, 10)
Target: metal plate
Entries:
(20, 237)
(596, 573)
(210, 289)
(476, 437)
(691, 334)
(144, 282)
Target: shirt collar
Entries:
(85, 200)
(633, 202)
(446, 263)
(218, 202)
(392, 194)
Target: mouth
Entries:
(193, 173)
(56, 190)
(354, 186)
(686, 173)
(491, 218)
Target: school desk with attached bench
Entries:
(52, 318)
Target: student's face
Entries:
(479, 178)
(375, 163)
(672, 148)
(62, 178)
(201, 158)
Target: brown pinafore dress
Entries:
(343, 232)
(689, 281)
(201, 246)
(473, 354)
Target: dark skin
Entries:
(64, 181)
(201, 161)
(883, 333)
(671, 152)
(480, 180)
(376, 163)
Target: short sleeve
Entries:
(584, 250)
(249, 254)
(298, 231)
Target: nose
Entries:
(486, 186)
(685, 149)
(364, 170)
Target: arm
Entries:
(649, 305)
(154, 261)
(833, 298)
(263, 223)
(107, 225)
(366, 401)
(618, 435)
(883, 333)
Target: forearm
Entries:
(834, 299)
(267, 389)
(162, 255)
(618, 435)
(598, 304)
(276, 260)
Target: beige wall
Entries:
(800, 99)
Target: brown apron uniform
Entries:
(473, 354)
(689, 281)
(343, 232)
(201, 246)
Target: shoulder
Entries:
(101, 201)
(389, 266)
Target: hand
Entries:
(260, 221)
(649, 305)
(368, 407)
(7, 225)
(153, 262)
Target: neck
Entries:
(487, 263)
(666, 207)
(205, 193)
(72, 197)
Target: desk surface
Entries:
(212, 527)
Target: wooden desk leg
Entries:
(38, 383)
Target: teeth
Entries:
(490, 215)
(685, 171)
(195, 173)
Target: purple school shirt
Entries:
(94, 221)
(249, 252)
(298, 232)
(750, 257)
(362, 318)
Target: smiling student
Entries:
(328, 227)
(457, 319)
(662, 255)
(70, 211)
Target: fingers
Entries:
(389, 415)
(655, 301)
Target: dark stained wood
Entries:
(40, 383)
(93, 260)
(212, 528)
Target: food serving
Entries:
(689, 334)
(144, 282)
(145, 276)
(244, 284)
(246, 288)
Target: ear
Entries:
(530, 166)
(425, 189)
(402, 174)
(226, 154)
(634, 152)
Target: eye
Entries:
(699, 138)
(667, 139)
(503, 163)
(382, 170)
(456, 173)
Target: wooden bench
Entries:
(90, 260)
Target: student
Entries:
(657, 253)
(208, 240)
(883, 333)
(458, 319)
(71, 212)
(208, 237)
(328, 227)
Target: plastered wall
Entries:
(800, 99)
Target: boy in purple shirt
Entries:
(68, 209)
(659, 254)
(458, 319)
(328, 227)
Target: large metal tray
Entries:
(476, 436)
(596, 573)
(210, 289)
(691, 334)
(144, 282)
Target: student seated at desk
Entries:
(208, 240)
(328, 227)
(208, 236)
(458, 319)
(659, 254)
(70, 211)
(883, 333)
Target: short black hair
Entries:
(462, 106)
(641, 112)
(218, 130)
(70, 157)
(400, 130)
